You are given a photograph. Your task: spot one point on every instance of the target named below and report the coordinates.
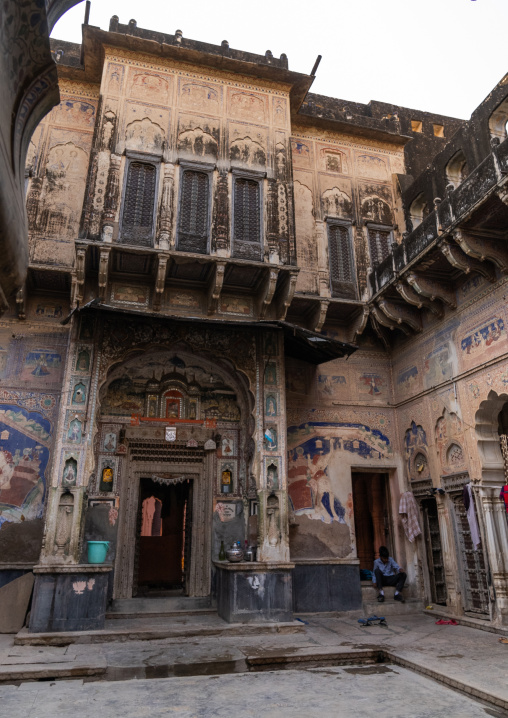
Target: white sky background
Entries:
(442, 56)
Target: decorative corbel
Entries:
(401, 314)
(318, 317)
(380, 331)
(79, 285)
(483, 248)
(431, 288)
(287, 293)
(215, 286)
(20, 303)
(411, 297)
(103, 272)
(502, 193)
(267, 290)
(386, 321)
(160, 281)
(357, 328)
(465, 263)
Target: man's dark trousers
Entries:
(398, 580)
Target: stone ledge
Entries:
(260, 566)
(74, 568)
(326, 561)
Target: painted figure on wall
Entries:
(152, 406)
(83, 360)
(74, 433)
(271, 374)
(272, 478)
(110, 441)
(24, 455)
(271, 405)
(226, 480)
(107, 474)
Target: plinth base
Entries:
(322, 586)
(254, 592)
(69, 598)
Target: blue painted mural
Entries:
(25, 439)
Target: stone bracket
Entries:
(431, 288)
(318, 316)
(287, 293)
(358, 326)
(160, 281)
(103, 272)
(378, 328)
(483, 248)
(215, 286)
(21, 303)
(79, 283)
(267, 290)
(412, 297)
(401, 314)
(466, 263)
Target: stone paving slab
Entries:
(385, 691)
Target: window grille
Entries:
(139, 201)
(341, 262)
(193, 221)
(379, 245)
(247, 219)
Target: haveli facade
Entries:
(252, 313)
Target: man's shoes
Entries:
(380, 598)
(399, 597)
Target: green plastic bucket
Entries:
(97, 551)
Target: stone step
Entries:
(391, 607)
(160, 607)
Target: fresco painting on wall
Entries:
(407, 380)
(44, 364)
(484, 340)
(75, 431)
(415, 441)
(316, 458)
(24, 455)
(372, 385)
(438, 365)
(122, 398)
(83, 360)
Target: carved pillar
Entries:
(220, 234)
(272, 222)
(449, 553)
(111, 199)
(496, 538)
(166, 208)
(322, 251)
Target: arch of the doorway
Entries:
(487, 436)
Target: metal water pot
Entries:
(234, 553)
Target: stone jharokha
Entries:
(209, 243)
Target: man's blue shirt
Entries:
(387, 569)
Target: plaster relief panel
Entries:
(302, 153)
(333, 159)
(198, 136)
(150, 87)
(247, 145)
(336, 197)
(248, 105)
(200, 96)
(115, 74)
(372, 167)
(376, 203)
(144, 136)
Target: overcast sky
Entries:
(442, 56)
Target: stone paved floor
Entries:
(382, 691)
(471, 657)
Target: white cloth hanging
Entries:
(408, 510)
(471, 516)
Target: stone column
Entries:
(220, 233)
(111, 199)
(496, 539)
(166, 208)
(449, 552)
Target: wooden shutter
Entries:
(139, 201)
(193, 221)
(341, 262)
(247, 222)
(379, 245)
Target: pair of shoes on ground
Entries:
(398, 597)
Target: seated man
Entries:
(388, 573)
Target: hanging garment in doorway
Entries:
(467, 497)
(504, 496)
(408, 510)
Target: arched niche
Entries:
(498, 121)
(418, 210)
(487, 425)
(457, 169)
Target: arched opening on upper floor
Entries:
(498, 121)
(418, 210)
(457, 169)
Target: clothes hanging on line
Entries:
(467, 497)
(408, 510)
(504, 496)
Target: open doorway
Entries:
(372, 525)
(164, 530)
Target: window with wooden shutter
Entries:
(379, 245)
(138, 204)
(247, 219)
(193, 218)
(342, 278)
